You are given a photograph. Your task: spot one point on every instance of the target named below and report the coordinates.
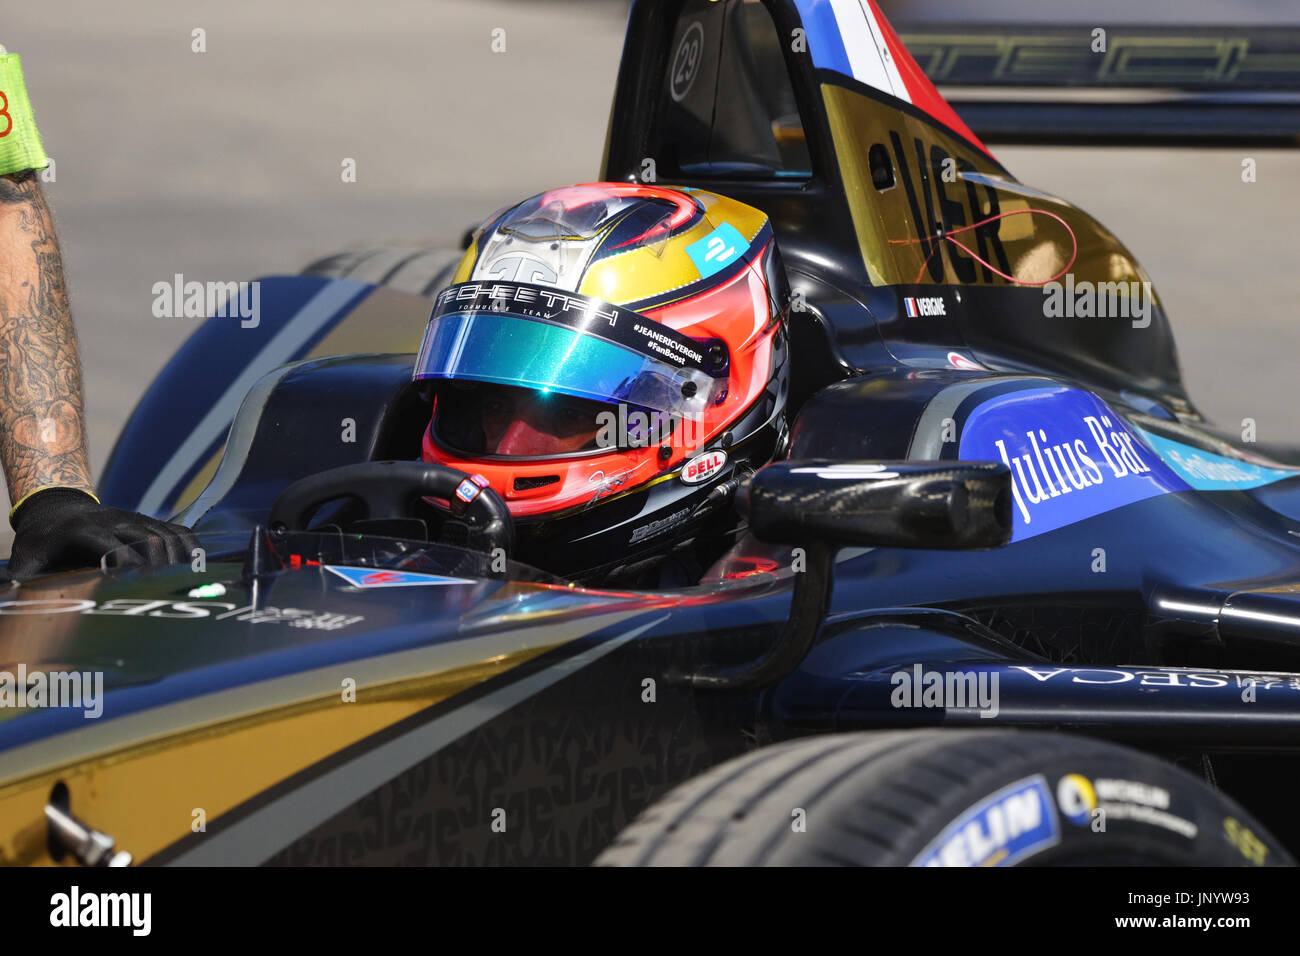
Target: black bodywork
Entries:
(1186, 642)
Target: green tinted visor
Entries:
(536, 337)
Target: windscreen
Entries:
(727, 108)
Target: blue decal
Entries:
(999, 830)
(468, 489)
(384, 578)
(722, 247)
(1206, 471)
(1071, 457)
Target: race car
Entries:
(993, 591)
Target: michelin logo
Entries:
(1000, 830)
(1083, 801)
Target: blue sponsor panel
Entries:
(1000, 830)
(1070, 454)
(1206, 471)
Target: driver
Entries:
(611, 359)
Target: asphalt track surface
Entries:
(225, 165)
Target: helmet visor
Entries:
(536, 337)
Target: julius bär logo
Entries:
(1071, 456)
(1075, 465)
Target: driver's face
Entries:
(529, 423)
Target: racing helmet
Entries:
(612, 360)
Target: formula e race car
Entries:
(1001, 597)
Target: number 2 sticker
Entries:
(718, 249)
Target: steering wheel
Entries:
(388, 488)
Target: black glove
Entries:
(59, 529)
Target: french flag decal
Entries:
(909, 304)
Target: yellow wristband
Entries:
(20, 143)
(37, 491)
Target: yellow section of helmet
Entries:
(656, 269)
(466, 267)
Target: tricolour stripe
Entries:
(886, 55)
(867, 53)
(823, 35)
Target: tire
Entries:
(901, 798)
(419, 271)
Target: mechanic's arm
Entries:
(42, 439)
(58, 520)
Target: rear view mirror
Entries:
(822, 506)
(949, 505)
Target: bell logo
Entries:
(703, 467)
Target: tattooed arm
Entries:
(42, 435)
(58, 522)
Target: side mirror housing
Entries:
(948, 505)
